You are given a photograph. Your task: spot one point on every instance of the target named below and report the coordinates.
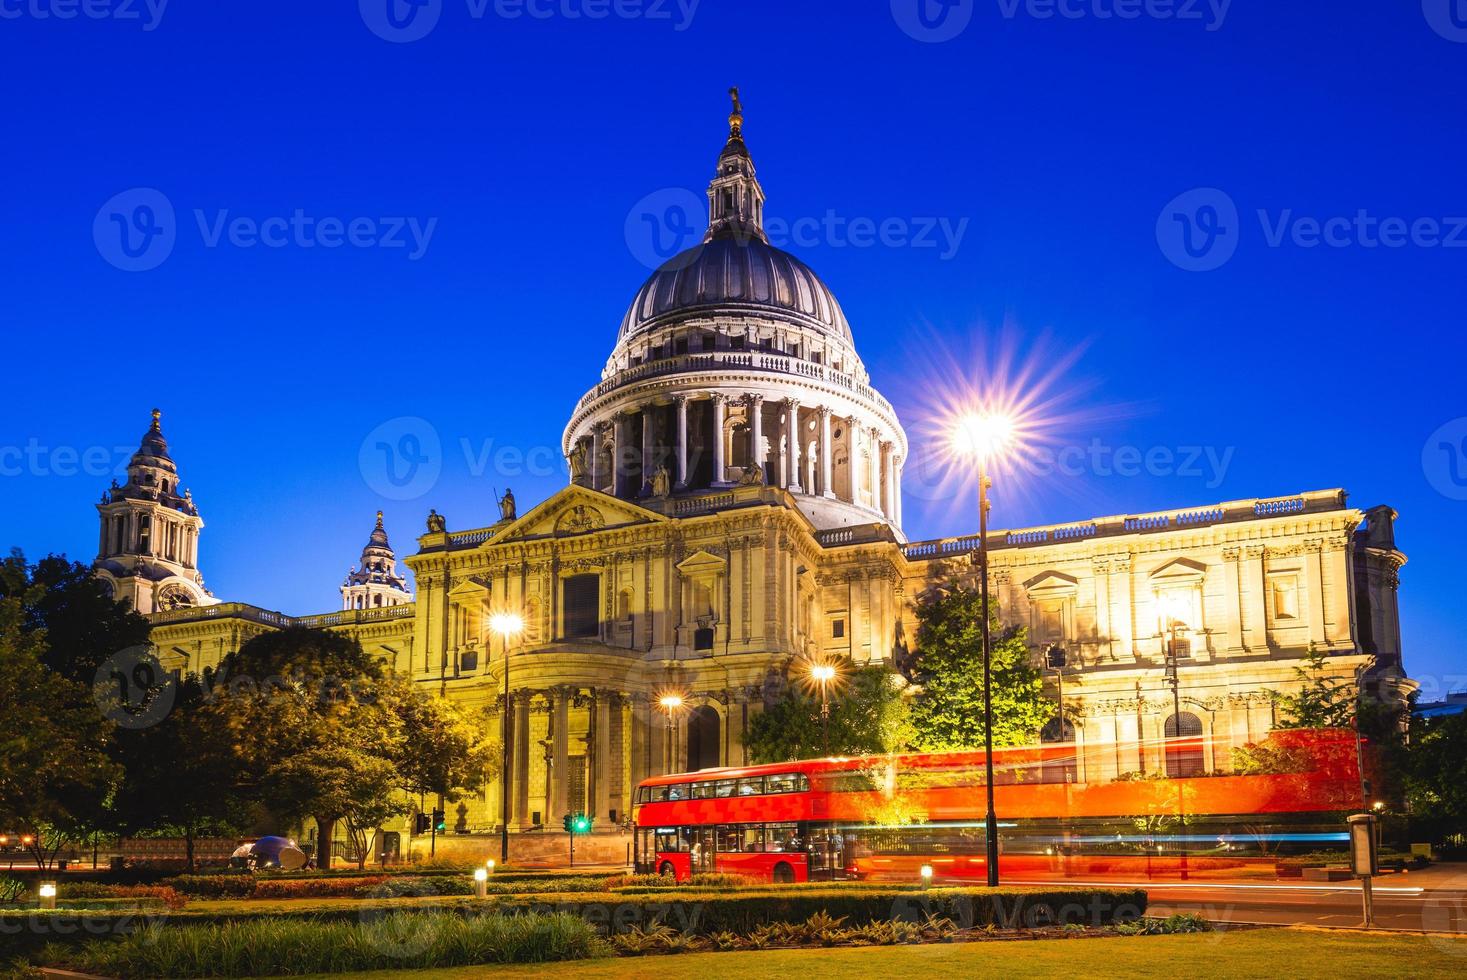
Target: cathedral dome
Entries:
(734, 273)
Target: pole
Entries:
(991, 822)
(504, 763)
(1176, 680)
(824, 717)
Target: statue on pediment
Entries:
(507, 505)
(437, 524)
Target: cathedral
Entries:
(734, 515)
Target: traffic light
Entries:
(576, 823)
(420, 824)
(439, 824)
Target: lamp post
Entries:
(1173, 627)
(982, 436)
(823, 674)
(506, 625)
(671, 704)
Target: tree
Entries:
(313, 738)
(868, 716)
(1436, 776)
(1323, 701)
(446, 751)
(84, 625)
(56, 776)
(947, 711)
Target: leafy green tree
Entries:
(56, 776)
(447, 750)
(312, 737)
(947, 666)
(868, 716)
(1323, 700)
(84, 625)
(1436, 776)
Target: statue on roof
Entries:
(437, 524)
(506, 505)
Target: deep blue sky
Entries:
(1058, 141)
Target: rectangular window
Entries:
(678, 792)
(782, 783)
(702, 791)
(703, 638)
(752, 786)
(1284, 596)
(753, 839)
(837, 628)
(782, 837)
(582, 606)
(724, 788)
(730, 840)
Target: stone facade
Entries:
(734, 515)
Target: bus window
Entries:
(752, 786)
(783, 783)
(672, 839)
(753, 838)
(725, 787)
(659, 794)
(783, 837)
(702, 791)
(730, 839)
(804, 784)
(678, 792)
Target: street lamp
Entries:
(1172, 608)
(506, 625)
(823, 674)
(982, 437)
(671, 704)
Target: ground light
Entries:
(926, 872)
(48, 894)
(489, 866)
(481, 877)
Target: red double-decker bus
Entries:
(1063, 811)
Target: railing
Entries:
(266, 617)
(1236, 510)
(840, 535)
(460, 539)
(746, 360)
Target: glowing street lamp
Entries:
(983, 437)
(823, 674)
(671, 704)
(481, 876)
(926, 872)
(48, 894)
(507, 625)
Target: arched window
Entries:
(703, 736)
(1186, 759)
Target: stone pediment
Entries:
(1179, 571)
(469, 589)
(575, 510)
(1052, 583)
(701, 562)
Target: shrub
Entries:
(400, 885)
(314, 887)
(273, 947)
(213, 886)
(1181, 922)
(92, 889)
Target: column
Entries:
(649, 429)
(896, 500)
(520, 786)
(756, 431)
(1255, 617)
(681, 401)
(888, 486)
(1232, 601)
(604, 770)
(720, 467)
(593, 466)
(558, 785)
(825, 449)
(873, 469)
(1314, 576)
(793, 442)
(618, 446)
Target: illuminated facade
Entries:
(735, 511)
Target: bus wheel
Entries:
(783, 874)
(667, 870)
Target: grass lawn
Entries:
(1295, 953)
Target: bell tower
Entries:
(735, 199)
(376, 584)
(148, 548)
